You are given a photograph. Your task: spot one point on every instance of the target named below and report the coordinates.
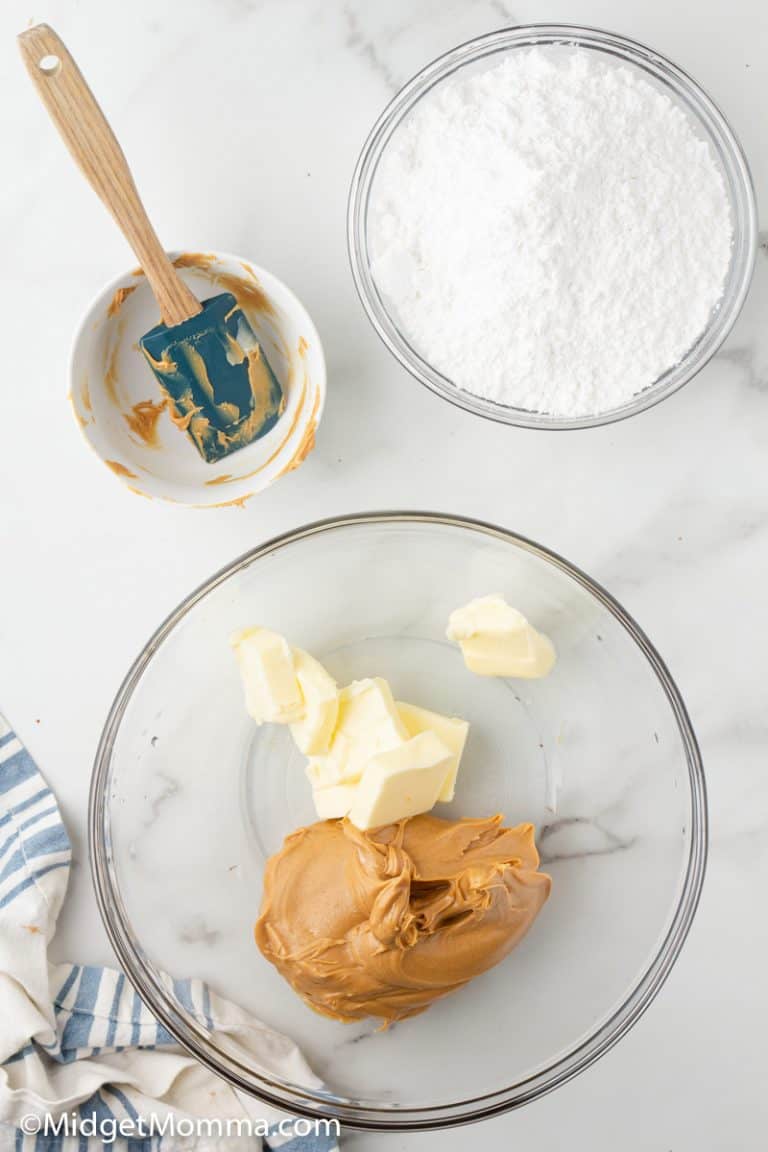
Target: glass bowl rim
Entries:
(304, 1102)
(737, 176)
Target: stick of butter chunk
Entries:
(401, 782)
(314, 731)
(368, 723)
(333, 802)
(450, 729)
(272, 692)
(497, 640)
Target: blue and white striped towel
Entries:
(76, 1040)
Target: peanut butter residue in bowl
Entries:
(120, 469)
(85, 395)
(111, 374)
(119, 298)
(142, 420)
(247, 290)
(383, 923)
(307, 442)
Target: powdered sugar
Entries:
(551, 233)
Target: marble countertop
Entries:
(668, 510)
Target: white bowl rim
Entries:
(92, 312)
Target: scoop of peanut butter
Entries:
(382, 923)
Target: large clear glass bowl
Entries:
(189, 797)
(708, 122)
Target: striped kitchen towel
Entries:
(83, 1063)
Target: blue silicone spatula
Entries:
(205, 355)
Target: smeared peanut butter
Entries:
(164, 364)
(307, 442)
(225, 412)
(183, 421)
(85, 395)
(120, 469)
(200, 260)
(190, 417)
(142, 420)
(237, 502)
(383, 923)
(110, 368)
(261, 384)
(248, 292)
(80, 419)
(304, 448)
(119, 298)
(85, 400)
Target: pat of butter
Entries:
(401, 782)
(450, 729)
(497, 640)
(272, 692)
(368, 723)
(334, 802)
(314, 731)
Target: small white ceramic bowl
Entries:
(118, 404)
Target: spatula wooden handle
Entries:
(85, 130)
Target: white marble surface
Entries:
(668, 510)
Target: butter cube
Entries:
(368, 722)
(272, 691)
(401, 782)
(450, 729)
(497, 640)
(314, 731)
(333, 802)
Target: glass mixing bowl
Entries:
(189, 797)
(709, 123)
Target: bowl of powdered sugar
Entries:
(552, 227)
